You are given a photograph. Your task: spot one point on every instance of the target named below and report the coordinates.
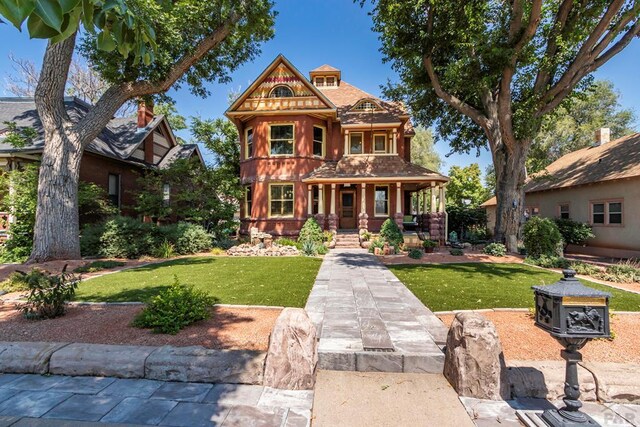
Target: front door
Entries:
(348, 216)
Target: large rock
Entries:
(122, 361)
(27, 357)
(199, 364)
(292, 356)
(474, 363)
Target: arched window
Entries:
(366, 106)
(281, 91)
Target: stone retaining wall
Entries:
(166, 363)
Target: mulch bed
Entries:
(444, 257)
(228, 327)
(522, 340)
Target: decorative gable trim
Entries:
(364, 105)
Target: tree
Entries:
(423, 151)
(177, 121)
(141, 48)
(488, 72)
(490, 180)
(466, 185)
(573, 124)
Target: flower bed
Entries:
(247, 249)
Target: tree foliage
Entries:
(423, 150)
(466, 185)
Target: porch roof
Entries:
(357, 168)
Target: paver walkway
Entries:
(28, 400)
(369, 321)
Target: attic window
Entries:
(366, 106)
(319, 81)
(281, 91)
(331, 81)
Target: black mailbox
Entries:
(568, 309)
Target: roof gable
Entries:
(280, 72)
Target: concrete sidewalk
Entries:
(378, 399)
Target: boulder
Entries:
(27, 357)
(292, 356)
(474, 362)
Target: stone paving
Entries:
(55, 400)
(368, 320)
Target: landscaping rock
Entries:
(545, 380)
(474, 362)
(27, 357)
(262, 250)
(122, 361)
(292, 356)
(199, 364)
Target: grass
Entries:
(284, 281)
(444, 287)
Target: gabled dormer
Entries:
(325, 76)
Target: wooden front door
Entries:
(348, 214)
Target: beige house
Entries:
(599, 185)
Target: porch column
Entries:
(346, 142)
(363, 217)
(433, 197)
(310, 200)
(394, 142)
(320, 214)
(441, 207)
(333, 218)
(398, 217)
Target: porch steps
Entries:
(347, 240)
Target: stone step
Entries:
(375, 361)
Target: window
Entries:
(366, 106)
(316, 199)
(281, 140)
(563, 211)
(530, 211)
(355, 143)
(319, 81)
(382, 201)
(248, 199)
(607, 212)
(249, 143)
(114, 189)
(281, 200)
(281, 91)
(380, 143)
(331, 81)
(318, 141)
(166, 194)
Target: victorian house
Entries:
(320, 147)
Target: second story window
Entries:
(331, 81)
(249, 143)
(248, 201)
(281, 140)
(355, 143)
(318, 141)
(380, 143)
(281, 91)
(114, 189)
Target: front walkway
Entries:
(368, 320)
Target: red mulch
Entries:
(522, 340)
(237, 327)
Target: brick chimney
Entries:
(145, 113)
(603, 135)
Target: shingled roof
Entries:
(617, 159)
(372, 166)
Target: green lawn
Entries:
(284, 281)
(443, 287)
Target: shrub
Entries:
(120, 237)
(477, 233)
(309, 248)
(541, 237)
(311, 232)
(456, 252)
(164, 250)
(429, 244)
(624, 272)
(391, 234)
(495, 249)
(415, 253)
(47, 293)
(547, 261)
(14, 283)
(174, 308)
(322, 250)
(327, 236)
(585, 268)
(187, 238)
(365, 236)
(376, 243)
(574, 232)
(283, 241)
(225, 243)
(218, 251)
(98, 266)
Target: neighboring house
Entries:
(114, 160)
(322, 148)
(599, 185)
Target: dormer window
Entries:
(330, 81)
(366, 106)
(319, 81)
(281, 91)
(325, 81)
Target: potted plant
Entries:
(429, 246)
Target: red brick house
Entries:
(324, 148)
(114, 160)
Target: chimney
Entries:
(145, 113)
(603, 135)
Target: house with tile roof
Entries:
(321, 147)
(114, 160)
(599, 185)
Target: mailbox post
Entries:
(573, 314)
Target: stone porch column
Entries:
(363, 217)
(310, 200)
(333, 218)
(320, 214)
(398, 217)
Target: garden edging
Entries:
(165, 363)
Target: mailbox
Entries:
(568, 309)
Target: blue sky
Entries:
(314, 32)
